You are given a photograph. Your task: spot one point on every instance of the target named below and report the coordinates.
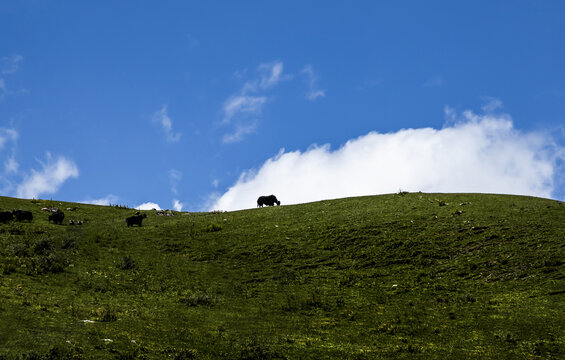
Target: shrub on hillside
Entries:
(54, 262)
(123, 207)
(18, 249)
(68, 243)
(43, 246)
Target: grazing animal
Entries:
(57, 217)
(6, 216)
(22, 215)
(267, 200)
(71, 222)
(135, 219)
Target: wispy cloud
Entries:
(243, 108)
(10, 64)
(271, 74)
(239, 133)
(314, 91)
(476, 153)
(175, 177)
(243, 104)
(49, 179)
(11, 165)
(491, 104)
(162, 118)
(109, 199)
(7, 135)
(54, 172)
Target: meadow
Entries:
(406, 275)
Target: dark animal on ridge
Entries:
(57, 217)
(6, 216)
(267, 200)
(135, 219)
(22, 215)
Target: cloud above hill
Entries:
(162, 118)
(105, 201)
(314, 91)
(473, 153)
(243, 108)
(148, 206)
(8, 65)
(49, 179)
(53, 174)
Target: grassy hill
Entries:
(394, 276)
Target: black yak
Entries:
(57, 217)
(22, 215)
(267, 200)
(6, 216)
(135, 219)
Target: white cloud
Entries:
(246, 105)
(148, 206)
(11, 165)
(175, 177)
(240, 131)
(10, 64)
(161, 117)
(313, 95)
(313, 92)
(7, 135)
(8, 139)
(271, 74)
(49, 179)
(177, 205)
(478, 153)
(491, 104)
(243, 104)
(105, 201)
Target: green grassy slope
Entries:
(393, 276)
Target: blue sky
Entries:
(207, 105)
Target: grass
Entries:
(406, 275)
